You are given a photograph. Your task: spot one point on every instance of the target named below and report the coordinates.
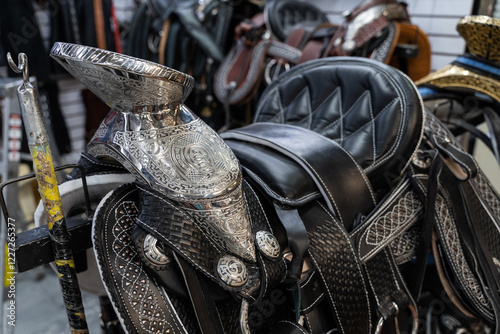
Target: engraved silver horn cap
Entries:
(166, 146)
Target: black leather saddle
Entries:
(349, 183)
(331, 139)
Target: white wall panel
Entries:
(447, 45)
(73, 109)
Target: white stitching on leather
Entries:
(342, 115)
(308, 324)
(282, 199)
(180, 250)
(334, 92)
(346, 236)
(360, 170)
(295, 325)
(314, 302)
(309, 279)
(372, 121)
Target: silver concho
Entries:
(152, 252)
(267, 244)
(421, 161)
(232, 271)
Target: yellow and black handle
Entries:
(38, 141)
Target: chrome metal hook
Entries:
(22, 67)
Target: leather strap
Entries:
(401, 209)
(243, 67)
(310, 150)
(194, 28)
(298, 243)
(340, 270)
(99, 24)
(163, 41)
(201, 299)
(476, 235)
(297, 238)
(425, 238)
(389, 289)
(493, 122)
(116, 29)
(174, 32)
(74, 22)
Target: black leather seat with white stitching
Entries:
(371, 110)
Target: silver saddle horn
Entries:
(164, 144)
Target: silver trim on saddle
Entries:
(158, 139)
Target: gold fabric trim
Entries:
(482, 35)
(456, 76)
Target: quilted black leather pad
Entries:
(283, 16)
(371, 109)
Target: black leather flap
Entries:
(330, 168)
(279, 176)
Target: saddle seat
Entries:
(369, 118)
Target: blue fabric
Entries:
(478, 65)
(426, 91)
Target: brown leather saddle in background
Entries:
(381, 30)
(267, 47)
(259, 39)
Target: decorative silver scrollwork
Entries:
(232, 271)
(163, 143)
(152, 252)
(268, 244)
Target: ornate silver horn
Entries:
(157, 138)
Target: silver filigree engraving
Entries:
(123, 82)
(244, 327)
(358, 23)
(232, 271)
(152, 252)
(163, 143)
(188, 161)
(136, 284)
(228, 225)
(268, 244)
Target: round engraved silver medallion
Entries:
(268, 244)
(232, 271)
(152, 252)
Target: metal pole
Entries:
(38, 141)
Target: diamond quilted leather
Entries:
(376, 116)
